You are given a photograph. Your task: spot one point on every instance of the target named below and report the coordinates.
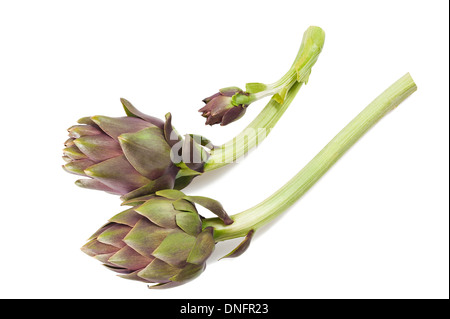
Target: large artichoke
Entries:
(129, 156)
(159, 240)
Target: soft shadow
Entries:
(223, 248)
(202, 181)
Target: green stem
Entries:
(277, 203)
(253, 134)
(275, 88)
(284, 91)
(310, 48)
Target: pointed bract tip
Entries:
(242, 247)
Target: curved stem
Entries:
(253, 134)
(283, 91)
(277, 203)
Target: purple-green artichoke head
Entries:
(159, 240)
(224, 107)
(129, 156)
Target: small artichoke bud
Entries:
(159, 240)
(128, 156)
(226, 106)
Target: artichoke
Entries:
(158, 240)
(222, 107)
(129, 156)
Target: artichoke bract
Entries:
(159, 240)
(128, 156)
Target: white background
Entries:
(375, 226)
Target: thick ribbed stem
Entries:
(277, 203)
